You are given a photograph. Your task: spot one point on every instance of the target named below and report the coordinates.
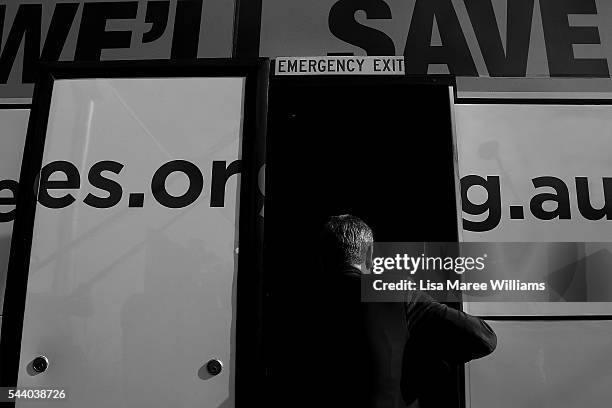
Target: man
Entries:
(388, 354)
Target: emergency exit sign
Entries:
(340, 65)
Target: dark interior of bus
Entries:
(380, 151)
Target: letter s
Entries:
(343, 25)
(112, 187)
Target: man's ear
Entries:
(368, 258)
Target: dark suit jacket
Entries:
(441, 340)
(380, 355)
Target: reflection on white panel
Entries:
(129, 303)
(564, 364)
(13, 126)
(520, 144)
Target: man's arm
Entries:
(453, 335)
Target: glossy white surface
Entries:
(129, 304)
(519, 143)
(544, 365)
(522, 142)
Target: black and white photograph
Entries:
(286, 203)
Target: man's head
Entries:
(346, 240)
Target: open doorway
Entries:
(379, 148)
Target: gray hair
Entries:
(344, 240)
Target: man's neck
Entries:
(355, 266)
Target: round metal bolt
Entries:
(214, 366)
(40, 364)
